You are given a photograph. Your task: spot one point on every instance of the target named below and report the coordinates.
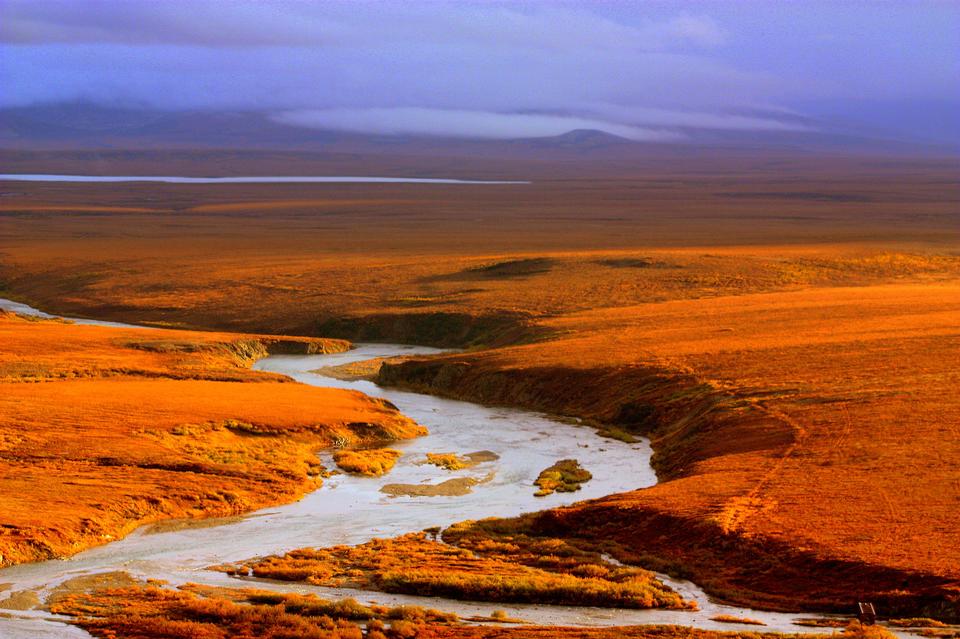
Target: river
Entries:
(267, 179)
(349, 509)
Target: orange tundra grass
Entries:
(515, 570)
(104, 429)
(198, 612)
(786, 333)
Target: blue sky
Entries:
(644, 70)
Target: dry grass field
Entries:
(197, 612)
(517, 570)
(806, 441)
(105, 429)
(787, 333)
(454, 262)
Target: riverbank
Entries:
(785, 334)
(104, 429)
(198, 611)
(181, 559)
(525, 443)
(746, 441)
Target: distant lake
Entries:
(271, 179)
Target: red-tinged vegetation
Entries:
(625, 632)
(786, 333)
(119, 428)
(50, 350)
(454, 265)
(780, 437)
(197, 612)
(150, 612)
(514, 569)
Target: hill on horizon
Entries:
(86, 126)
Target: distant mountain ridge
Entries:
(83, 126)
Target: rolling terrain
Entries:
(105, 429)
(786, 332)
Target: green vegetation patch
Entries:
(565, 476)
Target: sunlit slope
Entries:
(103, 429)
(792, 430)
(786, 332)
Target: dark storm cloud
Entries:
(642, 70)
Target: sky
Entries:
(651, 70)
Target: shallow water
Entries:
(268, 179)
(23, 309)
(351, 510)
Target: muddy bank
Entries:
(522, 444)
(244, 351)
(684, 416)
(677, 526)
(512, 446)
(746, 571)
(685, 407)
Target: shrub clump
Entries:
(373, 462)
(565, 476)
(450, 461)
(475, 564)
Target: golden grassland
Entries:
(515, 570)
(51, 350)
(199, 612)
(787, 335)
(802, 435)
(104, 429)
(465, 263)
